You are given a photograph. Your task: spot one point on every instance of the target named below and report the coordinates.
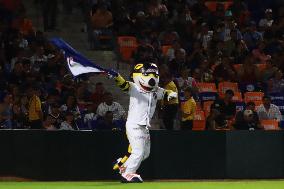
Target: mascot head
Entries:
(146, 76)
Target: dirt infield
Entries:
(17, 179)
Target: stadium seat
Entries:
(261, 67)
(127, 46)
(206, 87)
(277, 96)
(199, 125)
(280, 104)
(237, 66)
(199, 121)
(165, 49)
(198, 106)
(238, 97)
(270, 124)
(199, 115)
(205, 96)
(212, 5)
(224, 86)
(253, 96)
(240, 106)
(207, 107)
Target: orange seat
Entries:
(237, 66)
(127, 46)
(199, 115)
(261, 67)
(165, 49)
(198, 106)
(253, 96)
(238, 97)
(257, 103)
(199, 125)
(224, 86)
(270, 124)
(207, 107)
(206, 87)
(212, 5)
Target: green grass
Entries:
(146, 185)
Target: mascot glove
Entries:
(112, 74)
(172, 95)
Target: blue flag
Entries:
(77, 63)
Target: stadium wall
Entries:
(86, 155)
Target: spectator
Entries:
(90, 116)
(178, 62)
(156, 9)
(276, 84)
(106, 122)
(55, 116)
(101, 21)
(252, 37)
(226, 108)
(268, 111)
(48, 123)
(259, 53)
(97, 95)
(6, 112)
(184, 81)
(109, 105)
(267, 21)
(71, 106)
(213, 121)
(224, 71)
(23, 24)
(69, 123)
(170, 108)
(248, 73)
(188, 109)
(35, 111)
(247, 119)
(38, 59)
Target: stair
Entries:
(70, 30)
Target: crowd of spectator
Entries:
(36, 88)
(238, 41)
(206, 42)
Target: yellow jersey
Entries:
(188, 107)
(34, 108)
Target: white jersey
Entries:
(142, 104)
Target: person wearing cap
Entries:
(267, 21)
(101, 21)
(247, 119)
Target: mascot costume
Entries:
(144, 93)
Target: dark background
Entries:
(86, 155)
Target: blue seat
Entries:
(277, 96)
(240, 106)
(280, 104)
(208, 96)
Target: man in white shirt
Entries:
(268, 111)
(109, 105)
(268, 20)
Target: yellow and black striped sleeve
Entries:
(122, 83)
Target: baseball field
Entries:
(272, 184)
